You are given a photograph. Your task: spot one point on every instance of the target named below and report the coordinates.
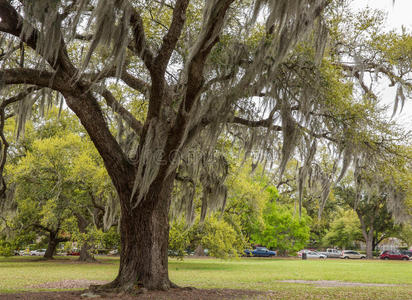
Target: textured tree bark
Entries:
(369, 247)
(144, 241)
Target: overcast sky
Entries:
(399, 14)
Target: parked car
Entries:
(24, 252)
(346, 254)
(260, 252)
(114, 252)
(407, 252)
(73, 252)
(311, 254)
(331, 253)
(393, 254)
(38, 252)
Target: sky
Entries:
(398, 14)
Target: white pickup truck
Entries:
(332, 253)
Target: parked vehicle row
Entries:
(351, 254)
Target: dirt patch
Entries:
(335, 283)
(67, 284)
(173, 294)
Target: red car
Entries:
(388, 254)
(74, 252)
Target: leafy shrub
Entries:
(178, 239)
(282, 229)
(6, 249)
(220, 239)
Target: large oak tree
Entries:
(179, 108)
(196, 66)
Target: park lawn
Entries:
(19, 273)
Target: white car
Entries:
(312, 254)
(39, 252)
(346, 254)
(114, 252)
(24, 252)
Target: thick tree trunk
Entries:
(144, 241)
(52, 245)
(368, 236)
(144, 229)
(367, 233)
(369, 246)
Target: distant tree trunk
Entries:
(369, 246)
(52, 245)
(367, 235)
(85, 254)
(200, 251)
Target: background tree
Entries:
(71, 182)
(376, 221)
(405, 234)
(43, 187)
(282, 229)
(344, 232)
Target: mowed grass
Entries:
(20, 273)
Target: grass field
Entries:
(21, 273)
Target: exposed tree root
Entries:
(131, 288)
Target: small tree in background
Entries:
(282, 229)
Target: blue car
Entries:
(260, 252)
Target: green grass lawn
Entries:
(18, 273)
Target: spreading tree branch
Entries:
(12, 23)
(139, 46)
(172, 36)
(123, 112)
